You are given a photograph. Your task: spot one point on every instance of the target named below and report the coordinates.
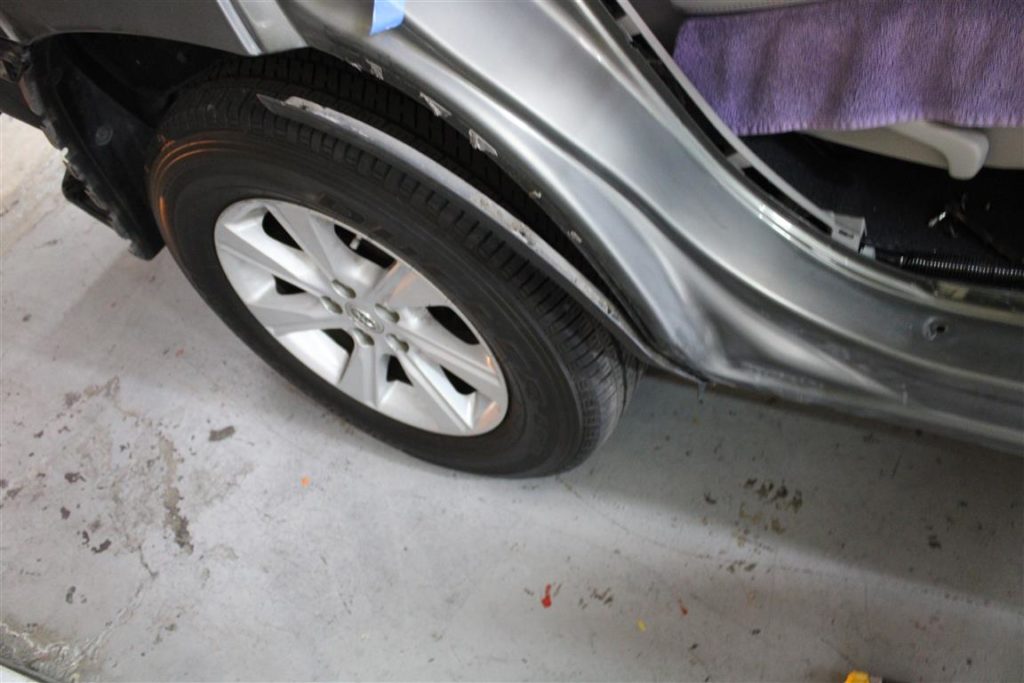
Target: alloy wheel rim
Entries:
(360, 317)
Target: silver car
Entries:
(469, 227)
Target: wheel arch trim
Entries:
(520, 237)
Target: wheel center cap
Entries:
(363, 319)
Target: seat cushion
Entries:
(730, 6)
(859, 64)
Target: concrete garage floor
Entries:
(173, 510)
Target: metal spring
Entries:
(959, 269)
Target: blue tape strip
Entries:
(387, 14)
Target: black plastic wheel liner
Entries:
(106, 144)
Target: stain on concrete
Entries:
(102, 547)
(546, 600)
(777, 495)
(69, 597)
(604, 597)
(738, 564)
(934, 543)
(176, 522)
(753, 518)
(73, 477)
(108, 389)
(71, 398)
(221, 434)
(780, 493)
(64, 512)
(13, 493)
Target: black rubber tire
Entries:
(568, 380)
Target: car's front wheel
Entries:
(380, 294)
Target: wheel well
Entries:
(102, 96)
(98, 98)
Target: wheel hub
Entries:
(364, 319)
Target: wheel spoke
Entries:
(447, 407)
(472, 363)
(315, 235)
(284, 314)
(251, 244)
(399, 286)
(364, 376)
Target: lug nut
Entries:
(331, 305)
(343, 290)
(386, 313)
(363, 338)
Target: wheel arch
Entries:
(80, 82)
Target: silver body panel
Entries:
(717, 278)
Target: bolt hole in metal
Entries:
(360, 317)
(362, 338)
(935, 328)
(342, 290)
(397, 344)
(386, 313)
(331, 305)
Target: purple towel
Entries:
(851, 64)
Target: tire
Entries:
(567, 379)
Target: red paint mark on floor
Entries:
(546, 600)
(682, 607)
